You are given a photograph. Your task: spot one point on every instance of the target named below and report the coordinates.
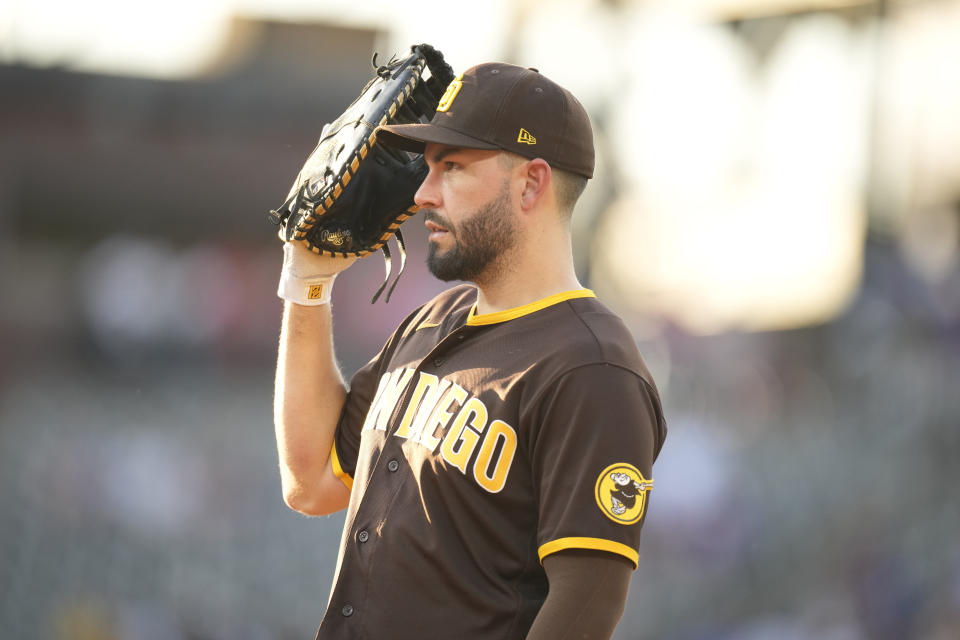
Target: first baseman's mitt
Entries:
(353, 193)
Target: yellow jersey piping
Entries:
(338, 470)
(599, 544)
(474, 319)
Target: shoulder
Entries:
(462, 297)
(451, 306)
(447, 309)
(591, 334)
(595, 362)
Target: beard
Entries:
(481, 242)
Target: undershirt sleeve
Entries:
(597, 431)
(588, 592)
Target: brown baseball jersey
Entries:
(475, 445)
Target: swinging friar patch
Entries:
(622, 493)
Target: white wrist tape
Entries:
(306, 291)
(311, 289)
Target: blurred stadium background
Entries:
(776, 215)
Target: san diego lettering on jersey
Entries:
(442, 414)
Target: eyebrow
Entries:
(443, 153)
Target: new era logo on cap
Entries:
(495, 103)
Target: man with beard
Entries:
(475, 453)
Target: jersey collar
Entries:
(474, 319)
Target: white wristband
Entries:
(305, 278)
(306, 291)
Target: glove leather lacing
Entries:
(388, 262)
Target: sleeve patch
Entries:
(621, 493)
(599, 544)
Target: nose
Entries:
(428, 195)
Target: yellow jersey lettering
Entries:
(427, 382)
(441, 416)
(374, 409)
(385, 400)
(430, 400)
(494, 481)
(464, 433)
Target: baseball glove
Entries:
(353, 193)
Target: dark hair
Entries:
(568, 186)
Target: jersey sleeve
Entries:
(346, 440)
(598, 430)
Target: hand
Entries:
(307, 278)
(301, 262)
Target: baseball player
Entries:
(495, 457)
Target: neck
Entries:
(528, 273)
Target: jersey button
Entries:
(437, 362)
(393, 465)
(347, 610)
(363, 536)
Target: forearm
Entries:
(308, 396)
(588, 591)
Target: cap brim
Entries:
(414, 137)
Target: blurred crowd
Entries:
(808, 488)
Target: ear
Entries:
(537, 176)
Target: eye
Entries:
(450, 166)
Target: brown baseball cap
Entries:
(502, 106)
